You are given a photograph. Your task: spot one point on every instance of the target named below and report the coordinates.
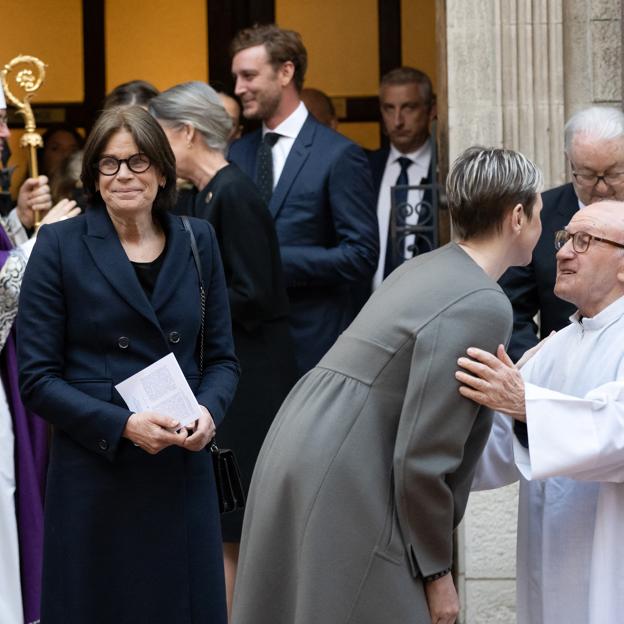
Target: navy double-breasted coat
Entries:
(129, 537)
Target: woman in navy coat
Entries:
(132, 529)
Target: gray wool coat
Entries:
(367, 467)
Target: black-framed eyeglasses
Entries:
(137, 163)
(591, 179)
(580, 240)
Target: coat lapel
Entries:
(176, 263)
(111, 259)
(296, 158)
(568, 204)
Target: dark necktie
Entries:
(264, 166)
(394, 253)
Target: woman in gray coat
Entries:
(367, 467)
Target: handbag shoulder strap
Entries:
(189, 229)
(202, 290)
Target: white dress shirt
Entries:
(288, 131)
(421, 159)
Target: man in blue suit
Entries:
(316, 184)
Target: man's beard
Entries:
(265, 108)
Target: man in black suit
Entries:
(594, 147)
(407, 104)
(316, 184)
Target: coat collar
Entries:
(296, 158)
(111, 259)
(569, 203)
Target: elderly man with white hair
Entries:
(594, 148)
(570, 394)
(23, 437)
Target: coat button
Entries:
(103, 444)
(123, 342)
(174, 337)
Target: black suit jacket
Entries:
(530, 288)
(377, 160)
(324, 213)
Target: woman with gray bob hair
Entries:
(197, 126)
(197, 105)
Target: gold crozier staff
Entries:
(30, 81)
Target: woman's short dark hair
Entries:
(150, 140)
(132, 93)
(281, 45)
(483, 186)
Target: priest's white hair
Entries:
(602, 123)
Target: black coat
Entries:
(530, 288)
(259, 306)
(129, 537)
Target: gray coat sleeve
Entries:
(441, 434)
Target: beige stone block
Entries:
(490, 534)
(475, 12)
(605, 9)
(577, 65)
(472, 125)
(490, 602)
(606, 61)
(576, 11)
(473, 64)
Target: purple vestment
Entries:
(31, 455)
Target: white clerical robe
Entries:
(570, 564)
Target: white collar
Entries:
(421, 156)
(605, 317)
(291, 126)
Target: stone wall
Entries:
(516, 70)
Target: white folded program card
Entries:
(162, 388)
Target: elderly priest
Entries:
(570, 394)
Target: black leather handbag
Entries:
(230, 491)
(227, 476)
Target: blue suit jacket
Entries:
(324, 211)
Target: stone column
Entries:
(516, 70)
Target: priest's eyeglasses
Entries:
(137, 163)
(580, 240)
